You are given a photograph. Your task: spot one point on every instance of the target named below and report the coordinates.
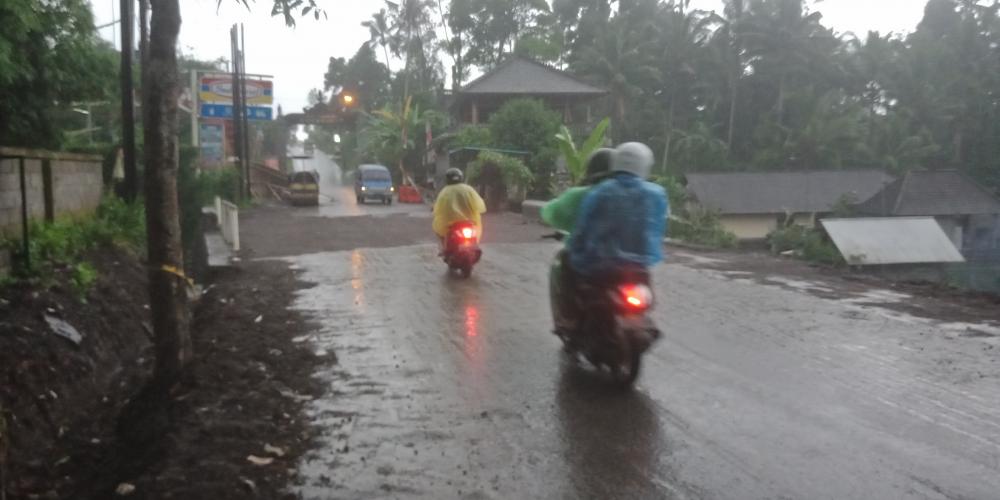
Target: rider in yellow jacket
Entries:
(457, 202)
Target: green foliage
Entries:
(676, 192)
(362, 76)
(527, 125)
(804, 242)
(473, 136)
(83, 276)
(50, 56)
(65, 243)
(576, 158)
(512, 170)
(701, 227)
(394, 137)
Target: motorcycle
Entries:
(461, 250)
(613, 328)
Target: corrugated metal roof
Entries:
(518, 75)
(932, 192)
(891, 240)
(780, 192)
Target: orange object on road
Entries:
(409, 194)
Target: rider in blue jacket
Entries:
(622, 221)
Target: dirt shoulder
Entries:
(921, 299)
(60, 396)
(279, 231)
(237, 432)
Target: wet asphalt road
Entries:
(450, 388)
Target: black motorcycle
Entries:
(612, 325)
(461, 249)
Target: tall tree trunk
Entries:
(167, 285)
(780, 111)
(131, 187)
(733, 94)
(670, 135)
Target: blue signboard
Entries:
(225, 111)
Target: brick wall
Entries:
(76, 186)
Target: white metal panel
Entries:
(891, 240)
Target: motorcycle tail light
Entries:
(468, 233)
(635, 297)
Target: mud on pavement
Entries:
(237, 432)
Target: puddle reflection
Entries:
(611, 438)
(357, 282)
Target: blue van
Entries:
(373, 181)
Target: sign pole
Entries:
(195, 109)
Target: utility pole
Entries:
(128, 105)
(238, 112)
(245, 113)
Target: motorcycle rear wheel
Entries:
(627, 371)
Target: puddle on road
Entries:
(805, 286)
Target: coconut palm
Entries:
(380, 32)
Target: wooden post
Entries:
(25, 247)
(47, 191)
(128, 104)
(475, 113)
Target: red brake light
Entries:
(468, 233)
(636, 296)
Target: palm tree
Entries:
(782, 37)
(683, 36)
(378, 29)
(410, 23)
(729, 38)
(622, 58)
(388, 134)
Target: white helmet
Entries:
(634, 158)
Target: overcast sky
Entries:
(297, 57)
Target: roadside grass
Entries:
(61, 247)
(806, 243)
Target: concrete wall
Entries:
(77, 186)
(750, 227)
(74, 187)
(10, 195)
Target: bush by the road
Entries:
(701, 227)
(804, 242)
(65, 242)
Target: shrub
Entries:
(512, 170)
(65, 242)
(83, 277)
(702, 227)
(804, 242)
(527, 125)
(676, 192)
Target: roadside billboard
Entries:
(219, 90)
(225, 111)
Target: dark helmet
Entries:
(599, 165)
(453, 176)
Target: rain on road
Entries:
(450, 388)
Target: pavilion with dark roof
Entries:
(521, 77)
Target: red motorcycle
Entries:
(461, 250)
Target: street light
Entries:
(348, 99)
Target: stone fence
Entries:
(55, 184)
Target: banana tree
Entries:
(389, 135)
(576, 158)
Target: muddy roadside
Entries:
(918, 298)
(238, 429)
(70, 404)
